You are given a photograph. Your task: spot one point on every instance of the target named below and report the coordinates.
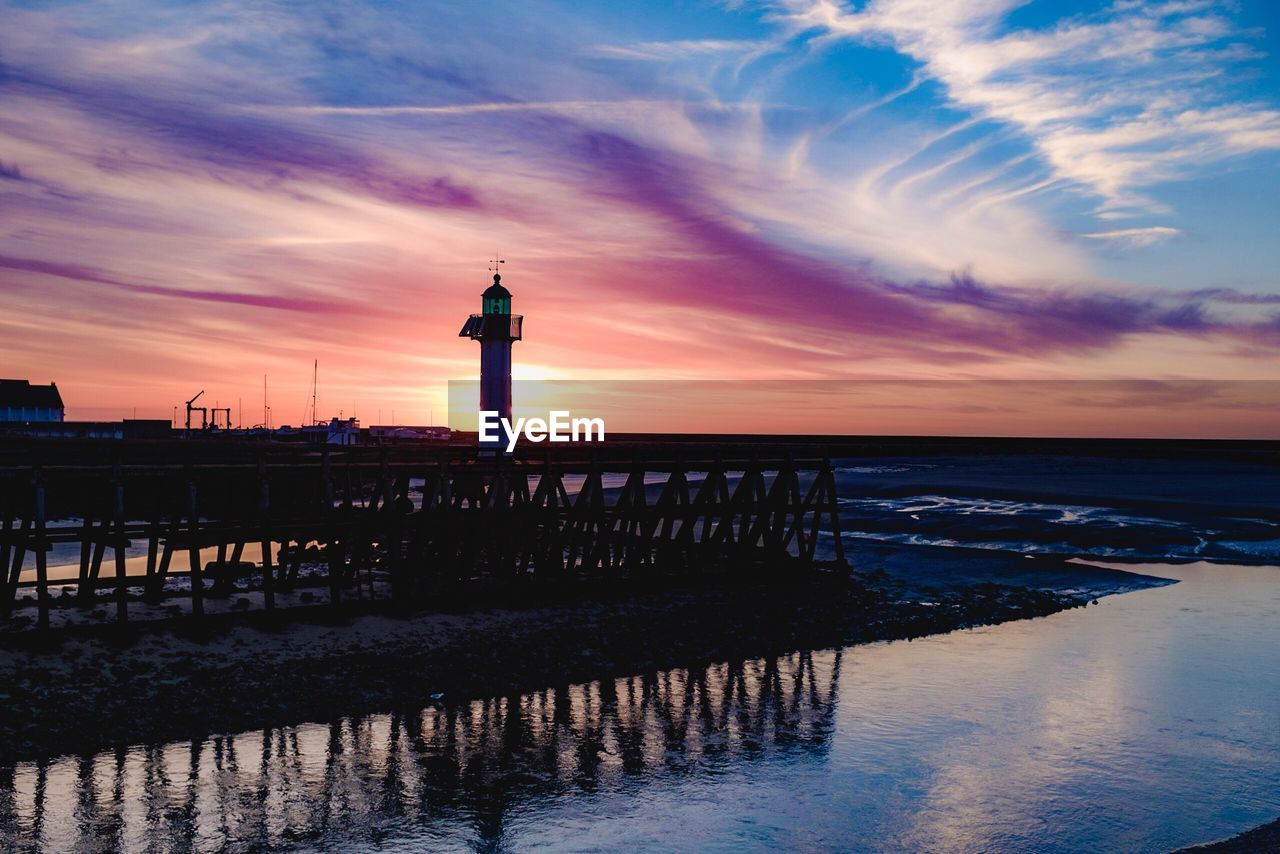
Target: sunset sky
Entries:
(195, 195)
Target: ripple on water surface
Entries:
(1146, 723)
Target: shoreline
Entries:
(1264, 837)
(80, 694)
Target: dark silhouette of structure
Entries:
(496, 328)
(364, 527)
(204, 412)
(21, 402)
(207, 413)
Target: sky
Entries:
(200, 195)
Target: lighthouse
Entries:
(496, 328)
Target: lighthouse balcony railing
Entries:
(504, 326)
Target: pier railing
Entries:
(161, 538)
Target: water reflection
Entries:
(444, 775)
(1147, 723)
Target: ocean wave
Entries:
(883, 469)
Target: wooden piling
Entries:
(7, 591)
(121, 541)
(41, 550)
(828, 476)
(19, 557)
(264, 525)
(86, 553)
(193, 550)
(332, 557)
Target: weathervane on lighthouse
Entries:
(496, 328)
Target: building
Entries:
(496, 328)
(24, 403)
(129, 428)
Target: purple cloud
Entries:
(282, 302)
(725, 272)
(748, 274)
(276, 154)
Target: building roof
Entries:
(22, 394)
(496, 290)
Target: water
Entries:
(1147, 722)
(1145, 509)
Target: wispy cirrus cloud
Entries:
(960, 320)
(567, 107)
(1148, 236)
(1113, 101)
(222, 139)
(349, 172)
(282, 301)
(666, 51)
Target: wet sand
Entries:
(1264, 838)
(81, 694)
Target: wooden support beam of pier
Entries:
(41, 550)
(193, 551)
(122, 590)
(21, 541)
(479, 521)
(265, 538)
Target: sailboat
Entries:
(344, 432)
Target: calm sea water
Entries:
(1147, 722)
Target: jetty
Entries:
(194, 530)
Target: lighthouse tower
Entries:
(496, 328)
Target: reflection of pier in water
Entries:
(450, 773)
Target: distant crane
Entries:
(226, 417)
(204, 413)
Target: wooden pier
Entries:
(274, 529)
